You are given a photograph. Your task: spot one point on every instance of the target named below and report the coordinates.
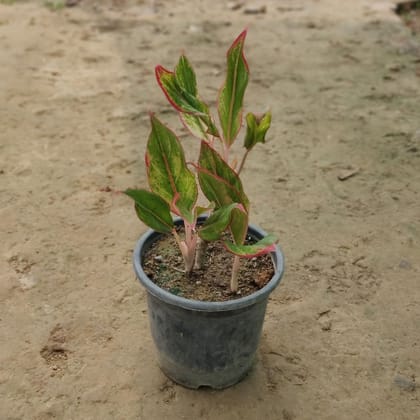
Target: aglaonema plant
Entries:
(173, 181)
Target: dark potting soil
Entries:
(164, 265)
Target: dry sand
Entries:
(342, 334)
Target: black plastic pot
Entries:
(205, 343)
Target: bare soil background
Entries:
(342, 334)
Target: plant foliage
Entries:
(174, 184)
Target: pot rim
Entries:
(206, 306)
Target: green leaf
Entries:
(219, 182)
(256, 130)
(195, 125)
(239, 225)
(180, 88)
(251, 131)
(211, 127)
(185, 76)
(199, 210)
(152, 210)
(217, 223)
(232, 93)
(264, 246)
(181, 99)
(169, 176)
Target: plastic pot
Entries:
(205, 343)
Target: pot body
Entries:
(205, 343)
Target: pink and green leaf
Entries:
(200, 210)
(200, 126)
(181, 99)
(169, 176)
(239, 225)
(194, 125)
(208, 121)
(219, 182)
(185, 76)
(232, 93)
(217, 223)
(256, 129)
(264, 246)
(186, 79)
(151, 210)
(180, 88)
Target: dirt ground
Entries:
(342, 333)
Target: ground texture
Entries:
(342, 334)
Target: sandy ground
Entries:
(342, 333)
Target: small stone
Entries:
(27, 281)
(325, 325)
(255, 9)
(404, 264)
(405, 383)
(158, 258)
(311, 25)
(198, 282)
(395, 68)
(234, 5)
(323, 312)
(195, 29)
(348, 173)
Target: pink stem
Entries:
(243, 161)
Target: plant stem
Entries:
(188, 232)
(187, 248)
(200, 255)
(243, 161)
(235, 272)
(191, 242)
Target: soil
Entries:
(163, 264)
(342, 79)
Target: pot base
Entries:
(204, 380)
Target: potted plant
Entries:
(211, 339)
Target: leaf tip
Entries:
(159, 70)
(160, 73)
(127, 192)
(239, 41)
(240, 38)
